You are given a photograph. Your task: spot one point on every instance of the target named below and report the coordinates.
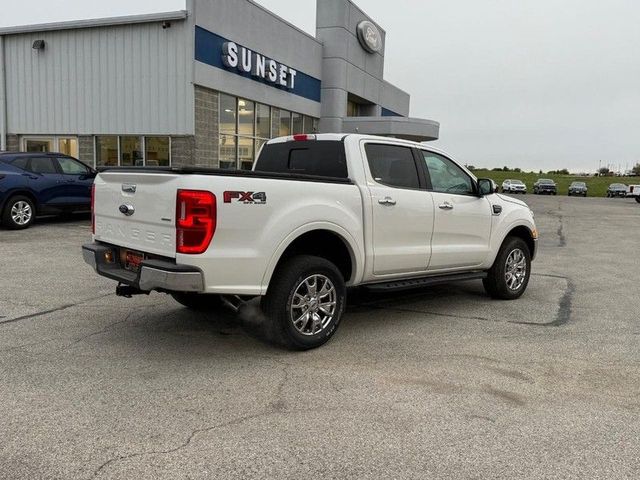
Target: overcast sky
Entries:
(539, 84)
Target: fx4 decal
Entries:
(248, 198)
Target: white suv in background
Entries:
(513, 186)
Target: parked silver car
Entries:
(514, 186)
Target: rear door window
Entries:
(393, 165)
(22, 163)
(42, 165)
(322, 158)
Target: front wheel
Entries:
(305, 302)
(509, 276)
(19, 213)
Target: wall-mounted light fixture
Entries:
(39, 45)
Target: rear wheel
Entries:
(305, 302)
(509, 276)
(19, 213)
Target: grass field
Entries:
(597, 185)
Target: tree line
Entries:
(603, 172)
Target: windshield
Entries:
(578, 184)
(545, 180)
(516, 182)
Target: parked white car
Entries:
(514, 186)
(317, 215)
(634, 191)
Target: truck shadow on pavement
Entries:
(547, 303)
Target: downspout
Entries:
(3, 98)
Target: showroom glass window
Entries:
(244, 126)
(132, 151)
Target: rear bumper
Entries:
(152, 275)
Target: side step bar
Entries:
(398, 285)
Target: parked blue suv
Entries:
(42, 184)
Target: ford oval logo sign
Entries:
(127, 210)
(369, 37)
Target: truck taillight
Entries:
(196, 218)
(93, 208)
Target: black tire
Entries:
(199, 302)
(25, 204)
(496, 283)
(638, 199)
(279, 309)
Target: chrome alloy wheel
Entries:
(21, 213)
(313, 305)
(516, 269)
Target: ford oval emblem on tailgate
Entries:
(127, 210)
(129, 187)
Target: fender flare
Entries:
(357, 257)
(506, 233)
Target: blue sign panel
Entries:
(219, 52)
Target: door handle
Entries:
(445, 206)
(387, 201)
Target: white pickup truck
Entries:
(633, 191)
(318, 214)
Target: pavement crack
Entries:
(100, 332)
(184, 444)
(562, 240)
(565, 305)
(53, 310)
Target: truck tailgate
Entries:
(149, 200)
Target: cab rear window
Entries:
(313, 157)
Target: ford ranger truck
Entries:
(318, 214)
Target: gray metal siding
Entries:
(134, 79)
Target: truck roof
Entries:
(342, 136)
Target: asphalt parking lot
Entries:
(440, 383)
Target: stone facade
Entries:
(86, 149)
(207, 127)
(13, 143)
(183, 151)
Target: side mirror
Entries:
(486, 186)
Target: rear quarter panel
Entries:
(251, 237)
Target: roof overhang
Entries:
(97, 22)
(414, 129)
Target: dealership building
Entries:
(203, 86)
